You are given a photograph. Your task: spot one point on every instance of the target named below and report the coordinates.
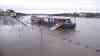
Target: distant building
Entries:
(82, 15)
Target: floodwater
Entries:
(14, 34)
(88, 32)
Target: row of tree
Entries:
(9, 12)
(82, 14)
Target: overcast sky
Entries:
(50, 6)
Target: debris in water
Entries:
(78, 43)
(70, 41)
(97, 50)
(87, 46)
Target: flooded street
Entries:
(45, 42)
